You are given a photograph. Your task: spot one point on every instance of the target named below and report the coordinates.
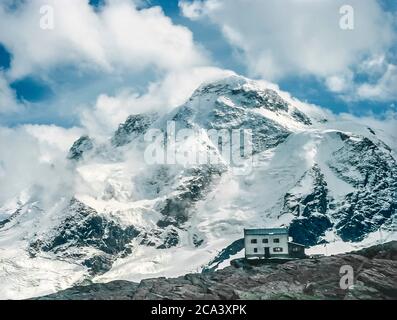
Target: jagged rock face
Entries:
(315, 202)
(196, 184)
(161, 238)
(83, 228)
(243, 93)
(178, 206)
(266, 133)
(373, 172)
(82, 145)
(310, 208)
(268, 99)
(15, 217)
(231, 250)
(10, 218)
(370, 171)
(175, 218)
(301, 117)
(308, 279)
(363, 164)
(236, 105)
(135, 125)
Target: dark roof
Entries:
(263, 232)
(296, 244)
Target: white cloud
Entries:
(163, 95)
(197, 9)
(278, 39)
(340, 83)
(119, 38)
(53, 137)
(8, 101)
(375, 65)
(34, 158)
(384, 89)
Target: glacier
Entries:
(332, 181)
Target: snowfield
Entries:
(333, 181)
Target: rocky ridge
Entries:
(319, 278)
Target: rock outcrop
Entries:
(375, 277)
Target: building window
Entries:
(265, 240)
(278, 249)
(255, 250)
(277, 240)
(254, 241)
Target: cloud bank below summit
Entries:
(105, 48)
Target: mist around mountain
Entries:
(162, 198)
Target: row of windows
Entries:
(277, 249)
(276, 240)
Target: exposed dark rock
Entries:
(176, 209)
(99, 264)
(116, 290)
(150, 238)
(13, 218)
(311, 209)
(265, 132)
(225, 254)
(81, 146)
(10, 218)
(370, 170)
(197, 240)
(85, 228)
(241, 113)
(268, 99)
(373, 172)
(307, 231)
(171, 240)
(134, 126)
(375, 278)
(4, 222)
(301, 117)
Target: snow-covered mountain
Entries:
(330, 181)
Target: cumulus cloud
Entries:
(33, 158)
(8, 101)
(118, 38)
(161, 96)
(278, 39)
(379, 86)
(384, 89)
(114, 42)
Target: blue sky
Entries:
(305, 88)
(54, 96)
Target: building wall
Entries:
(296, 251)
(260, 245)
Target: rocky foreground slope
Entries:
(375, 273)
(170, 193)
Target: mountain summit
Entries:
(328, 180)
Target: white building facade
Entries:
(270, 243)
